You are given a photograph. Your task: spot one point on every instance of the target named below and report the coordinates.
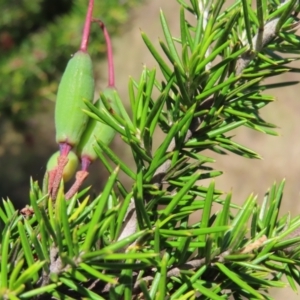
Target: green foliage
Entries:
(97, 130)
(138, 243)
(34, 49)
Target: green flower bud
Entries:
(70, 167)
(97, 130)
(76, 84)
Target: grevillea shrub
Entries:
(137, 242)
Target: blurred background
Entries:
(37, 38)
(36, 41)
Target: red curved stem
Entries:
(80, 177)
(111, 69)
(87, 27)
(85, 163)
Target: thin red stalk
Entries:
(80, 177)
(85, 163)
(51, 178)
(87, 26)
(64, 149)
(111, 69)
(62, 162)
